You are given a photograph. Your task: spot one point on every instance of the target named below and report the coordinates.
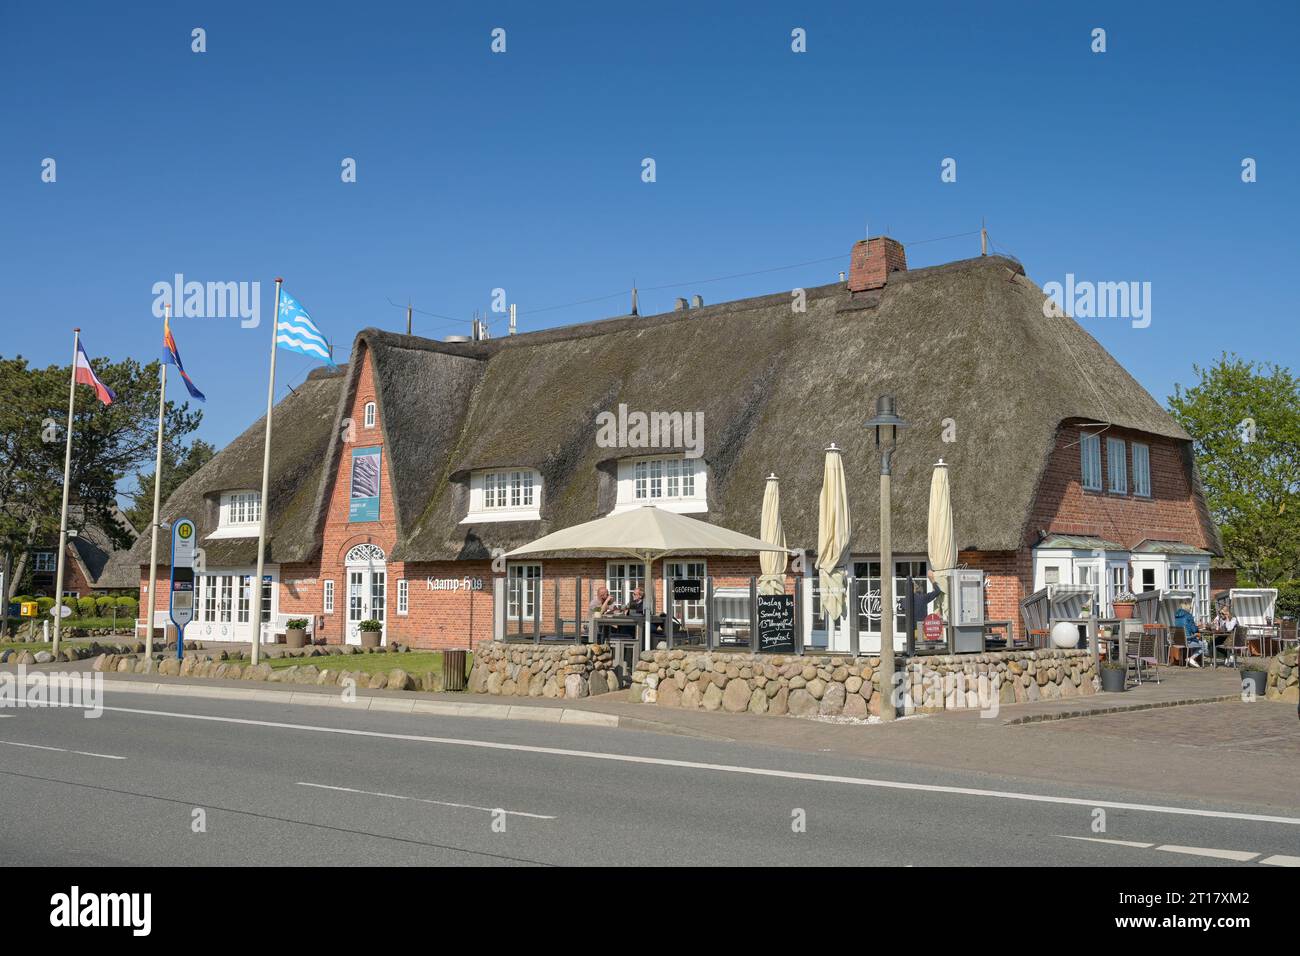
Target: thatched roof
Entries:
(966, 342)
(304, 424)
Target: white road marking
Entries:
(726, 768)
(440, 803)
(1278, 859)
(1138, 846)
(83, 753)
(1239, 855)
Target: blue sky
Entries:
(522, 170)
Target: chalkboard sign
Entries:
(776, 634)
(688, 589)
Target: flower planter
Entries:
(370, 638)
(1113, 680)
(1124, 611)
(295, 637)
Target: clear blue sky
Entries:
(523, 170)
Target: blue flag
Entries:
(172, 356)
(296, 332)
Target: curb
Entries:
(1118, 709)
(392, 705)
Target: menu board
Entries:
(776, 633)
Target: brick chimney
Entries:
(872, 260)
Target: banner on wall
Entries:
(363, 503)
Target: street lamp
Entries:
(886, 423)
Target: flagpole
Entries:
(157, 499)
(266, 473)
(63, 513)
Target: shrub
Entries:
(86, 606)
(104, 604)
(129, 603)
(44, 604)
(297, 622)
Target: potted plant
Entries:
(295, 632)
(1254, 672)
(1124, 605)
(1113, 675)
(370, 632)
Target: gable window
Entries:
(370, 415)
(239, 515)
(44, 561)
(1090, 456)
(1117, 465)
(673, 482)
(327, 597)
(1141, 470)
(505, 495)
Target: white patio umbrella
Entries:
(648, 534)
(834, 528)
(772, 563)
(941, 544)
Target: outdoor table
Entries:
(607, 621)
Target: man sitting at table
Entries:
(1185, 619)
(602, 604)
(637, 604)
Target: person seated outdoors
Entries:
(601, 604)
(1184, 618)
(1225, 626)
(637, 604)
(921, 600)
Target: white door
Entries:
(223, 607)
(367, 583)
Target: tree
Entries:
(109, 442)
(1244, 419)
(178, 465)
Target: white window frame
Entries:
(368, 415)
(620, 579)
(1090, 461)
(523, 591)
(44, 562)
(403, 596)
(239, 515)
(1117, 466)
(504, 494)
(1141, 469)
(327, 596)
(672, 482)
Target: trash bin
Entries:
(453, 670)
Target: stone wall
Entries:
(1284, 678)
(538, 670)
(825, 685)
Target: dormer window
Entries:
(507, 494)
(674, 482)
(370, 415)
(241, 511)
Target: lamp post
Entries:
(886, 423)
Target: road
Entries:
(208, 782)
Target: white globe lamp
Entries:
(1065, 634)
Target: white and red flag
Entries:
(86, 376)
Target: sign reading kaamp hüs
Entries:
(454, 584)
(363, 498)
(684, 430)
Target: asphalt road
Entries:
(207, 782)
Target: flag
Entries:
(296, 332)
(85, 375)
(172, 356)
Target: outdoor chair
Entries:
(1236, 645)
(1179, 652)
(1143, 658)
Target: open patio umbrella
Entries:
(941, 544)
(834, 528)
(770, 530)
(648, 534)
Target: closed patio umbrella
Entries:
(834, 528)
(941, 544)
(770, 530)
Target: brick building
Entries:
(397, 480)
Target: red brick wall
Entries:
(872, 260)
